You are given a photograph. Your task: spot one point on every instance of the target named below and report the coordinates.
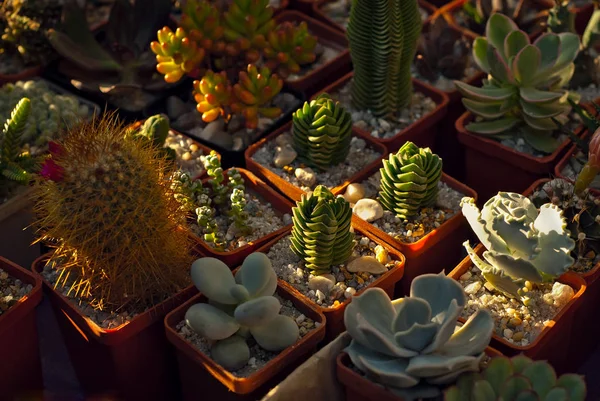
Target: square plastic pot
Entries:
(290, 190)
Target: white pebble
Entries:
(320, 296)
(350, 291)
(473, 288)
(300, 319)
(354, 192)
(306, 176)
(366, 264)
(368, 209)
(508, 333)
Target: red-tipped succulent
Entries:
(176, 54)
(213, 95)
(289, 47)
(202, 22)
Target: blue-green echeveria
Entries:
(412, 345)
(522, 244)
(238, 307)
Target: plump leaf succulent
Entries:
(322, 131)
(523, 244)
(524, 90)
(212, 95)
(239, 306)
(515, 379)
(382, 37)
(409, 180)
(289, 47)
(201, 21)
(176, 54)
(412, 345)
(247, 24)
(520, 11)
(321, 232)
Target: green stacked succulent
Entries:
(409, 180)
(322, 132)
(383, 36)
(321, 233)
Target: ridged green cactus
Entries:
(240, 307)
(412, 345)
(522, 244)
(321, 233)
(383, 40)
(289, 47)
(515, 379)
(247, 24)
(322, 131)
(409, 180)
(524, 92)
(176, 54)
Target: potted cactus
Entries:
(513, 119)
(411, 348)
(319, 147)
(523, 278)
(242, 328)
(105, 201)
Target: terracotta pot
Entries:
(279, 203)
(493, 167)
(359, 388)
(203, 378)
(287, 188)
(133, 359)
(421, 132)
(550, 343)
(21, 367)
(335, 315)
(319, 77)
(24, 75)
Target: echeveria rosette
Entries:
(522, 244)
(238, 307)
(412, 345)
(524, 90)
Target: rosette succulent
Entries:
(409, 180)
(321, 233)
(240, 306)
(524, 91)
(522, 244)
(322, 131)
(412, 345)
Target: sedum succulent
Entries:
(321, 230)
(289, 47)
(247, 24)
(322, 131)
(409, 180)
(515, 379)
(201, 20)
(176, 54)
(212, 95)
(524, 90)
(412, 345)
(522, 244)
(382, 37)
(239, 306)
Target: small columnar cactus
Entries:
(321, 233)
(187, 191)
(322, 131)
(412, 345)
(289, 47)
(176, 54)
(517, 378)
(409, 180)
(522, 244)
(240, 307)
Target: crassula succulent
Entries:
(412, 345)
(321, 233)
(239, 306)
(523, 244)
(517, 378)
(409, 180)
(524, 91)
(322, 131)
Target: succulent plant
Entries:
(592, 166)
(237, 200)
(155, 131)
(382, 37)
(321, 233)
(205, 217)
(517, 378)
(240, 307)
(412, 345)
(176, 54)
(186, 190)
(520, 11)
(247, 24)
(522, 244)
(409, 180)
(322, 131)
(212, 94)
(289, 47)
(106, 203)
(442, 51)
(201, 20)
(212, 164)
(524, 91)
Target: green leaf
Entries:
(14, 172)
(540, 140)
(591, 36)
(513, 386)
(542, 377)
(480, 49)
(549, 45)
(93, 57)
(497, 372)
(489, 94)
(493, 127)
(499, 26)
(542, 124)
(13, 130)
(498, 67)
(538, 111)
(575, 386)
(532, 95)
(515, 42)
(526, 64)
(485, 110)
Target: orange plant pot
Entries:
(21, 367)
(290, 190)
(24, 75)
(203, 378)
(552, 343)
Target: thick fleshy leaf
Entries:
(493, 127)
(542, 141)
(497, 372)
(498, 27)
(542, 377)
(483, 391)
(575, 385)
(532, 95)
(485, 94)
(549, 110)
(210, 322)
(417, 337)
(257, 275)
(410, 311)
(499, 68)
(554, 244)
(447, 321)
(473, 337)
(516, 268)
(438, 291)
(257, 311)
(472, 213)
(276, 335)
(541, 124)
(92, 57)
(485, 110)
(525, 64)
(514, 43)
(513, 386)
(514, 231)
(480, 49)
(549, 45)
(232, 353)
(213, 278)
(435, 366)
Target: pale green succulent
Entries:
(522, 244)
(524, 92)
(517, 379)
(239, 307)
(412, 345)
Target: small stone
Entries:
(306, 176)
(354, 192)
(368, 210)
(508, 333)
(364, 241)
(214, 132)
(284, 155)
(338, 290)
(562, 294)
(467, 275)
(518, 336)
(473, 288)
(322, 283)
(349, 292)
(284, 139)
(176, 107)
(514, 322)
(186, 156)
(194, 147)
(366, 264)
(287, 219)
(320, 296)
(381, 254)
(300, 319)
(187, 121)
